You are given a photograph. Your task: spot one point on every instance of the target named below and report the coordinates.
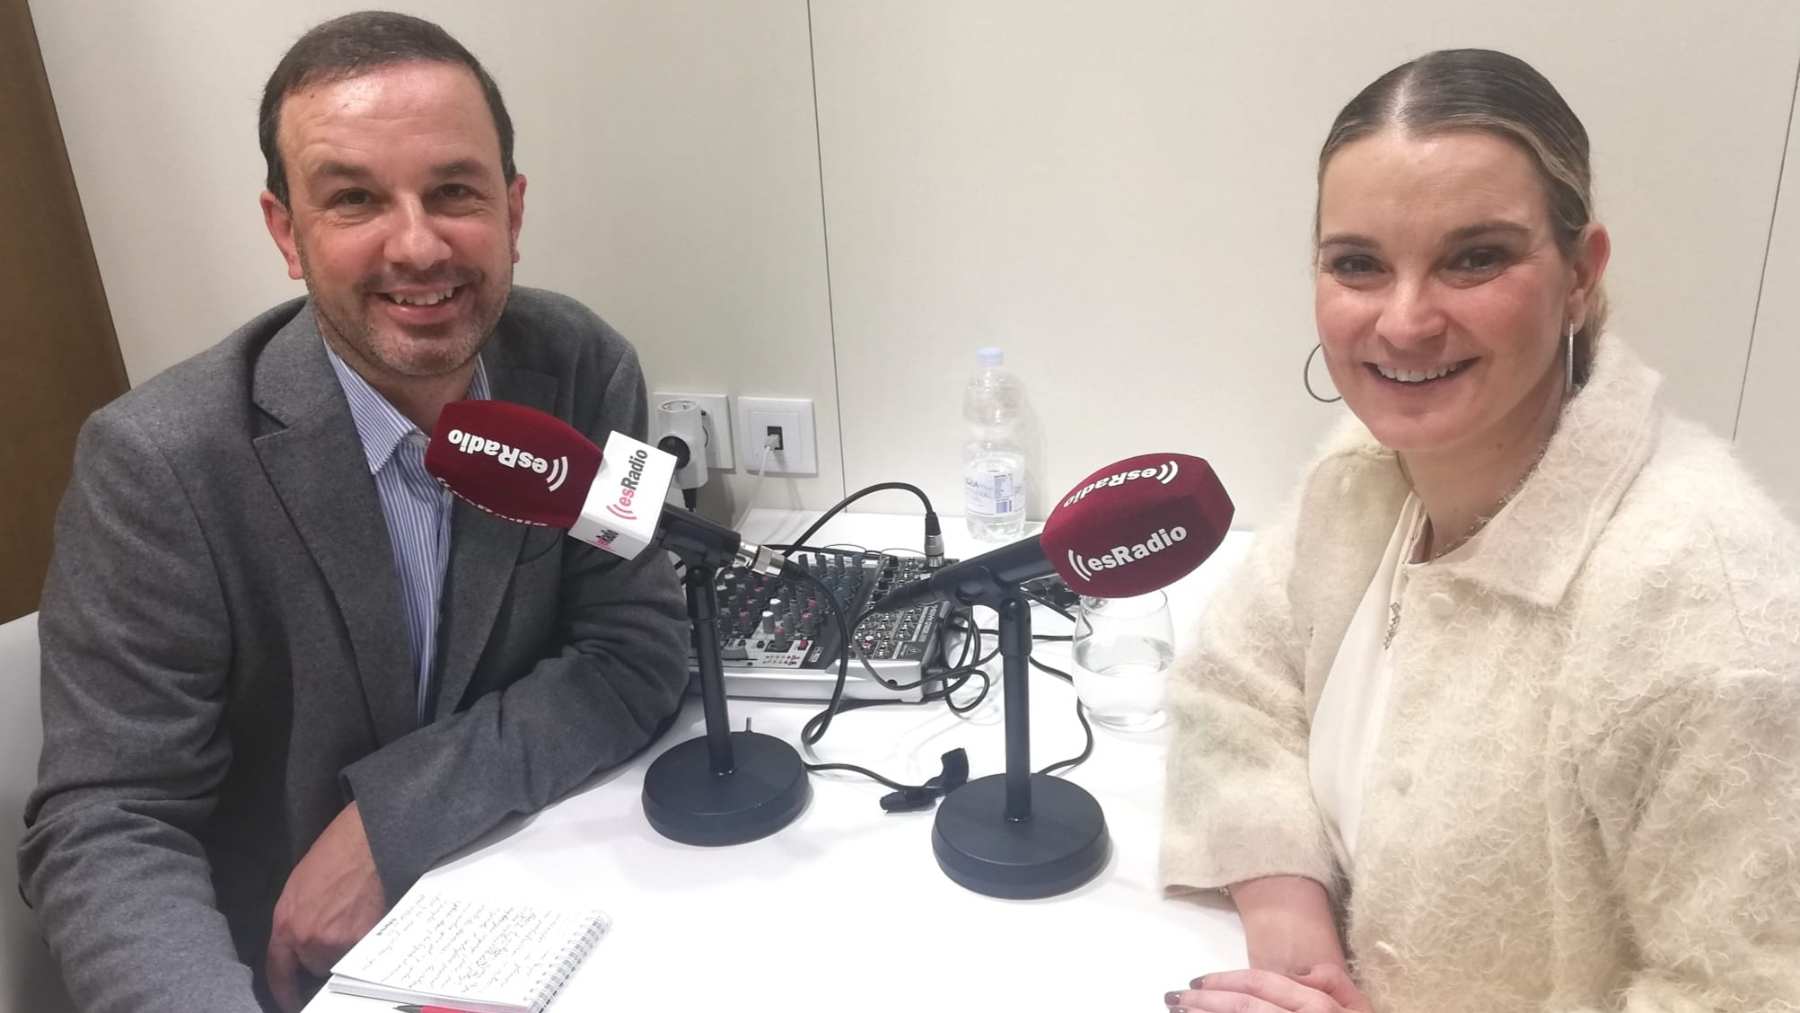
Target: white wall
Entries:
(1120, 193)
(1770, 420)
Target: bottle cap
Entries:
(990, 356)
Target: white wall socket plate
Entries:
(718, 425)
(799, 454)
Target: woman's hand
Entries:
(1288, 924)
(1323, 989)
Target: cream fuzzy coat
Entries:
(1587, 792)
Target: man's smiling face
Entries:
(399, 217)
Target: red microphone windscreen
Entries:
(512, 461)
(1138, 525)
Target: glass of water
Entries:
(1123, 648)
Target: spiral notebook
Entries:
(484, 956)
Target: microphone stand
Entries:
(1017, 835)
(724, 787)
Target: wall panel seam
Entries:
(1762, 280)
(837, 384)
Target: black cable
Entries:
(911, 797)
(959, 682)
(808, 734)
(965, 669)
(957, 677)
(816, 726)
(1087, 730)
(953, 678)
(969, 661)
(905, 797)
(932, 531)
(864, 771)
(1086, 750)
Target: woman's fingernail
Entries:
(1197, 983)
(1171, 998)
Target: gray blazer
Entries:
(226, 662)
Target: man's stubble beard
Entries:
(365, 347)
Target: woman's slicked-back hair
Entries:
(355, 44)
(1480, 89)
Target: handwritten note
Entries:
(480, 955)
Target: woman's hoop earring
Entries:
(1569, 363)
(1306, 378)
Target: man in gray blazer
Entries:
(284, 673)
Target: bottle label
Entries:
(990, 492)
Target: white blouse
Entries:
(1346, 727)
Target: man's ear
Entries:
(281, 229)
(515, 211)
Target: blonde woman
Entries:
(1503, 712)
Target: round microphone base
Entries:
(685, 801)
(1063, 845)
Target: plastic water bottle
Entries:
(993, 459)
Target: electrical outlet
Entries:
(718, 425)
(799, 453)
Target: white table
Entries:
(846, 907)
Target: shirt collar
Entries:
(379, 425)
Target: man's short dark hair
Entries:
(355, 44)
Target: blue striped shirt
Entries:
(415, 506)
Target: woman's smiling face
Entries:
(1442, 297)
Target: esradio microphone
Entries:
(530, 466)
(1128, 529)
(525, 465)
